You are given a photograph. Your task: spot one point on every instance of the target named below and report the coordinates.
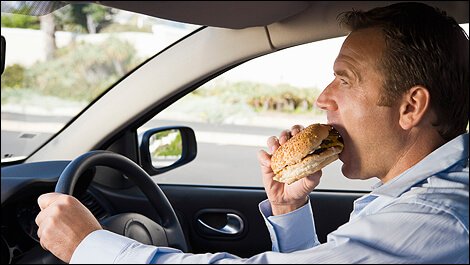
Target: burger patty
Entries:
(333, 139)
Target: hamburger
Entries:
(306, 153)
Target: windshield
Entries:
(57, 63)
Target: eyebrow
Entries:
(349, 74)
(347, 69)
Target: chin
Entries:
(343, 157)
(346, 169)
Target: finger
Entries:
(266, 170)
(273, 143)
(47, 199)
(285, 135)
(39, 232)
(41, 242)
(296, 129)
(39, 219)
(265, 161)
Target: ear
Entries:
(414, 105)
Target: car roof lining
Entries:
(227, 14)
(231, 14)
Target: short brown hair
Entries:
(424, 47)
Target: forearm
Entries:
(280, 209)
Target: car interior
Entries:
(100, 158)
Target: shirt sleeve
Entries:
(292, 231)
(105, 247)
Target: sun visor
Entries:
(224, 14)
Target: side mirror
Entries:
(166, 148)
(4, 43)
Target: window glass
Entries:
(58, 63)
(234, 114)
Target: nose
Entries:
(326, 99)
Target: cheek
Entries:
(359, 109)
(355, 113)
(367, 125)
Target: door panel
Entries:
(224, 208)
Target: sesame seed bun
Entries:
(306, 153)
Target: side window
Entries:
(234, 114)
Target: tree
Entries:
(84, 18)
(88, 18)
(48, 26)
(97, 17)
(77, 17)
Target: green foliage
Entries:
(114, 27)
(175, 148)
(264, 97)
(14, 95)
(13, 77)
(82, 71)
(28, 97)
(99, 14)
(20, 21)
(83, 18)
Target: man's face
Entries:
(370, 132)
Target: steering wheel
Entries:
(133, 225)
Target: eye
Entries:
(342, 80)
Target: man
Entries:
(400, 100)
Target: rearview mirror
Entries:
(166, 148)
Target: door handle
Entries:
(233, 226)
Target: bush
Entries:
(20, 21)
(83, 71)
(13, 77)
(264, 97)
(175, 148)
(114, 27)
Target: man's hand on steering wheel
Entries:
(63, 223)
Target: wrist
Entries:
(284, 208)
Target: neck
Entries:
(416, 147)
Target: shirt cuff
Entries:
(102, 246)
(292, 231)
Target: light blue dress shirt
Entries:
(420, 216)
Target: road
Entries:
(226, 153)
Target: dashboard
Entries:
(19, 230)
(19, 240)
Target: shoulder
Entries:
(436, 198)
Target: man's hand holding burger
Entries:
(283, 197)
(292, 170)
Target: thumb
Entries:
(265, 161)
(47, 199)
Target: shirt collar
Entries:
(439, 160)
